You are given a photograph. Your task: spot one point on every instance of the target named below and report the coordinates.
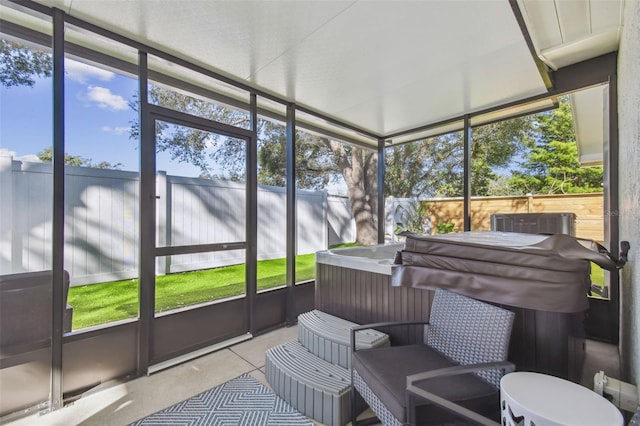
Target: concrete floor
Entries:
(122, 403)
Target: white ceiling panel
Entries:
(382, 66)
(574, 19)
(237, 37)
(605, 15)
(565, 32)
(385, 65)
(544, 16)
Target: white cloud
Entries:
(105, 99)
(81, 73)
(115, 130)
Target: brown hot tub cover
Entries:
(541, 272)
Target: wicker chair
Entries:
(456, 370)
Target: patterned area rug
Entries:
(240, 401)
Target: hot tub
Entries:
(376, 258)
(354, 283)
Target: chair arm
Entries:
(379, 324)
(414, 391)
(460, 369)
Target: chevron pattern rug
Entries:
(240, 401)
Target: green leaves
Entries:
(46, 156)
(19, 64)
(552, 165)
(543, 143)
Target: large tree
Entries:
(19, 64)
(552, 166)
(319, 160)
(434, 167)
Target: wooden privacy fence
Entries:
(588, 208)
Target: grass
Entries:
(597, 275)
(113, 301)
(97, 304)
(597, 279)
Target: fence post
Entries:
(162, 237)
(6, 214)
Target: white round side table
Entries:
(534, 399)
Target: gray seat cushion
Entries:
(385, 371)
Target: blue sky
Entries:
(98, 118)
(97, 121)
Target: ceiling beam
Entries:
(545, 72)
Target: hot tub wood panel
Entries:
(546, 342)
(365, 297)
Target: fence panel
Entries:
(29, 232)
(272, 222)
(311, 218)
(204, 211)
(101, 224)
(340, 223)
(589, 210)
(101, 219)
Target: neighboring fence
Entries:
(589, 210)
(340, 223)
(101, 221)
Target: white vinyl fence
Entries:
(101, 221)
(342, 227)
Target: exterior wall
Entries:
(629, 177)
(587, 207)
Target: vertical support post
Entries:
(611, 205)
(251, 253)
(57, 238)
(147, 220)
(291, 212)
(466, 190)
(381, 200)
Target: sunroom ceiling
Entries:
(383, 66)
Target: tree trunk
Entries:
(359, 169)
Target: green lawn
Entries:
(597, 279)
(597, 275)
(106, 302)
